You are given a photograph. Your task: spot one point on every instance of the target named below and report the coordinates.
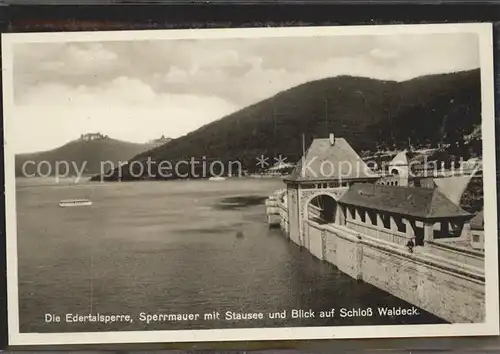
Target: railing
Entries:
(314, 212)
(396, 237)
(446, 259)
(448, 251)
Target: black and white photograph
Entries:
(250, 184)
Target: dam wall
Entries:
(437, 277)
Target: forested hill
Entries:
(368, 113)
(79, 154)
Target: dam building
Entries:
(404, 235)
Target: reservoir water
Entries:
(176, 247)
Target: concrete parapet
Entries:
(434, 282)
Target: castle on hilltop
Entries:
(163, 139)
(93, 136)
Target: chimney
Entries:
(332, 139)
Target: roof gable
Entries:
(453, 187)
(425, 203)
(324, 161)
(401, 159)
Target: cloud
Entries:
(176, 75)
(220, 59)
(177, 85)
(124, 108)
(379, 53)
(215, 65)
(90, 57)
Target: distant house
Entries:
(477, 230)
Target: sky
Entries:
(140, 90)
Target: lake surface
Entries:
(174, 247)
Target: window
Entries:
(343, 215)
(400, 224)
(352, 211)
(373, 216)
(386, 220)
(362, 215)
(476, 238)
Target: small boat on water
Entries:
(217, 178)
(74, 202)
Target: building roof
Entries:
(453, 187)
(477, 222)
(401, 159)
(423, 203)
(326, 162)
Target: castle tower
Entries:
(399, 168)
(329, 167)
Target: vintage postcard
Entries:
(250, 184)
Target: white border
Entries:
(489, 327)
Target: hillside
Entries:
(368, 113)
(76, 152)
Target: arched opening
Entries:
(395, 172)
(322, 209)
